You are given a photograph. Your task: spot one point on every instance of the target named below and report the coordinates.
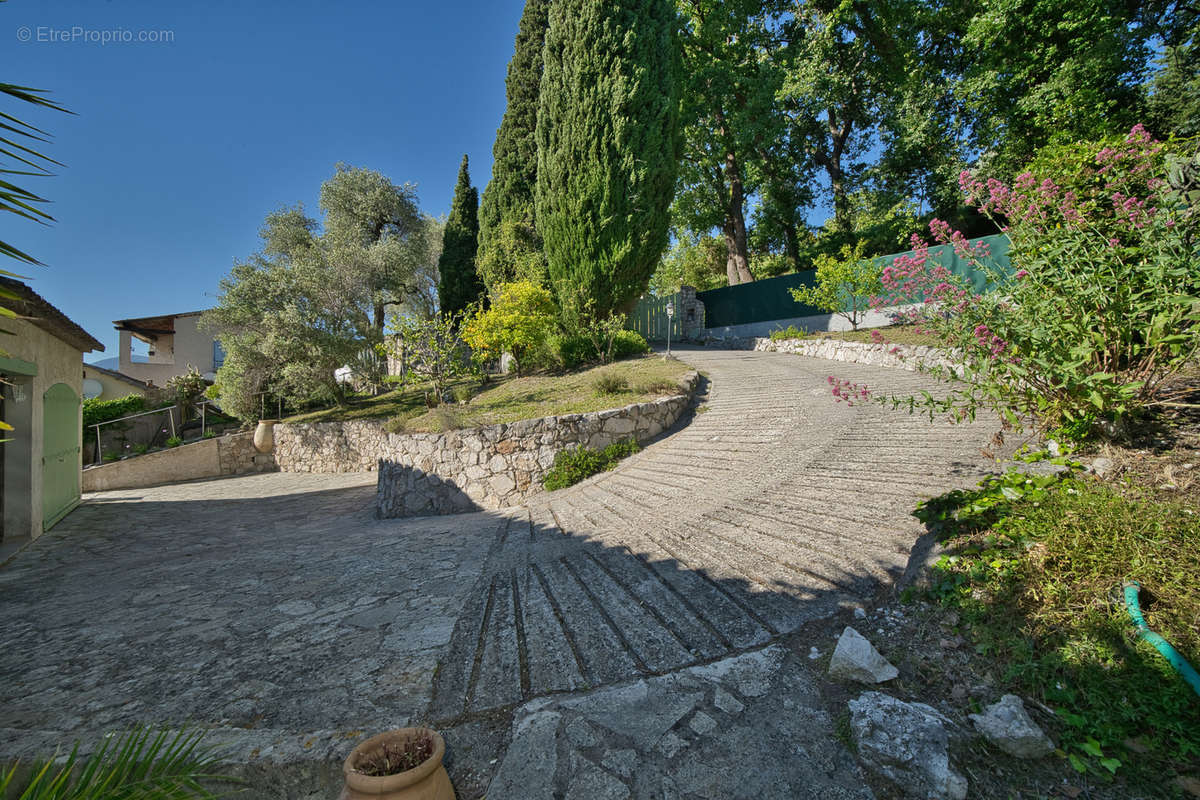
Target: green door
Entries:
(60, 453)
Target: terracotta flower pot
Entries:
(264, 435)
(428, 781)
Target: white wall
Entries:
(172, 354)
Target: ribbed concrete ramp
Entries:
(772, 508)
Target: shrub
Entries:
(628, 343)
(519, 321)
(609, 383)
(186, 389)
(573, 465)
(845, 284)
(1103, 308)
(572, 350)
(575, 350)
(429, 349)
(174, 441)
(462, 394)
(141, 448)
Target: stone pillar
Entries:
(691, 313)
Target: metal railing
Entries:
(168, 410)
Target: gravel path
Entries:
(276, 610)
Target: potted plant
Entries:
(404, 764)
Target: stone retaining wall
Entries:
(908, 357)
(446, 473)
(232, 454)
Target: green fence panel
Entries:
(765, 300)
(649, 318)
(756, 302)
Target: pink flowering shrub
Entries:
(1104, 301)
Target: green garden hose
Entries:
(1178, 662)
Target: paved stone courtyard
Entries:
(633, 636)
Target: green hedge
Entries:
(97, 411)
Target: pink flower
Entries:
(1138, 133)
(1022, 274)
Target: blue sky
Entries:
(178, 149)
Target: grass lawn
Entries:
(508, 398)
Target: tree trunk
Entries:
(731, 270)
(792, 244)
(377, 322)
(837, 178)
(735, 236)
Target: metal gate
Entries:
(60, 453)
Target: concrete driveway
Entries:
(598, 637)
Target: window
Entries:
(218, 354)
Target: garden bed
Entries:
(509, 398)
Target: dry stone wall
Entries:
(907, 357)
(445, 473)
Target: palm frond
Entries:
(141, 765)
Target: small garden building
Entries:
(42, 370)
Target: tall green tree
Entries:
(509, 245)
(1175, 89)
(1044, 71)
(308, 302)
(460, 287)
(374, 231)
(607, 149)
(730, 125)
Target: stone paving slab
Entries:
(273, 607)
(750, 726)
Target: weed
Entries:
(1032, 567)
(174, 441)
(572, 466)
(843, 732)
(790, 332)
(608, 383)
(141, 448)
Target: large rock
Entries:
(1007, 725)
(856, 659)
(906, 743)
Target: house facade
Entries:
(42, 401)
(107, 384)
(174, 341)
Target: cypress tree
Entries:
(459, 285)
(607, 149)
(506, 215)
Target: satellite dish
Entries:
(92, 388)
